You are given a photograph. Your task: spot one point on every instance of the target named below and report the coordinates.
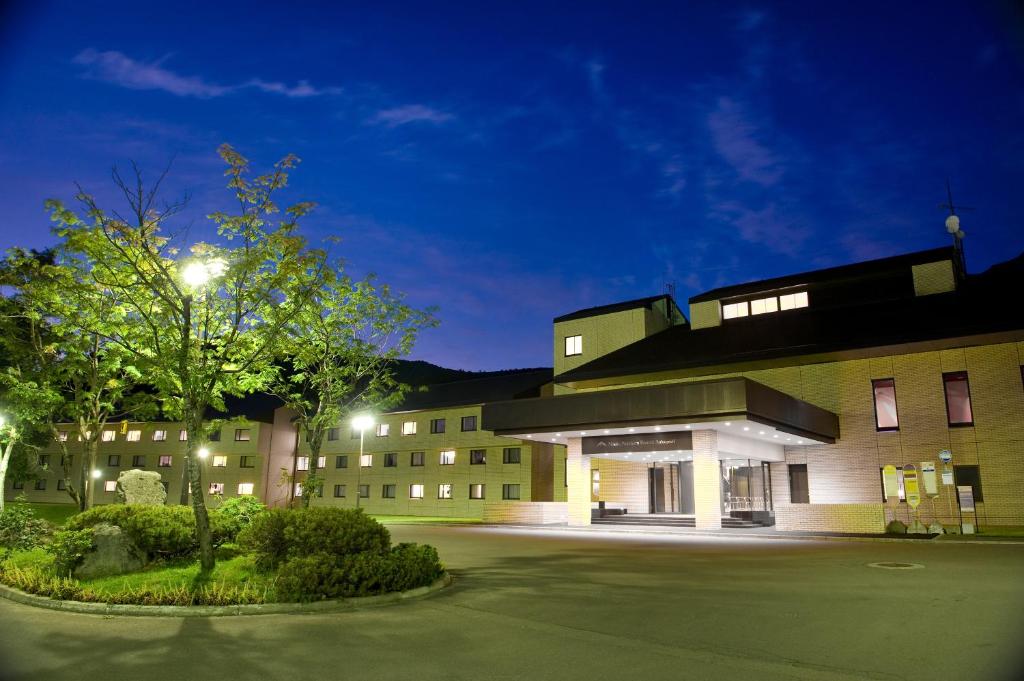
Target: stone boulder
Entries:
(112, 553)
(140, 487)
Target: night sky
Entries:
(512, 164)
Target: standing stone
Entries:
(112, 553)
(140, 487)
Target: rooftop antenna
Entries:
(670, 288)
(953, 228)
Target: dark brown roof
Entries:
(618, 307)
(504, 385)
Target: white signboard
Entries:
(890, 482)
(947, 475)
(931, 486)
(965, 497)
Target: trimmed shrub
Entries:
(20, 528)
(895, 527)
(69, 548)
(279, 535)
(323, 575)
(159, 531)
(237, 512)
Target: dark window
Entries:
(61, 485)
(166, 485)
(114, 460)
(416, 459)
(437, 426)
(798, 493)
(241, 434)
(387, 492)
(41, 484)
(139, 460)
(468, 423)
(391, 460)
(511, 455)
(476, 491)
(18, 484)
(44, 460)
(969, 475)
(886, 417)
(477, 456)
(247, 462)
(215, 436)
(958, 399)
(332, 434)
(364, 491)
(339, 491)
(341, 461)
(509, 491)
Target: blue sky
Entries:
(510, 163)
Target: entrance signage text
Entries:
(639, 442)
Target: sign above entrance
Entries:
(640, 442)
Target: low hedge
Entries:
(280, 535)
(159, 531)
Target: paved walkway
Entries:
(568, 605)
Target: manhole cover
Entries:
(896, 566)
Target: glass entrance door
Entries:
(747, 490)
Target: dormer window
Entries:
(791, 301)
(573, 345)
(756, 306)
(734, 310)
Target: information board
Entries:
(931, 483)
(911, 487)
(890, 482)
(965, 497)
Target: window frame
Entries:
(949, 377)
(438, 426)
(480, 454)
(251, 487)
(420, 457)
(340, 461)
(136, 458)
(388, 490)
(506, 455)
(170, 461)
(806, 480)
(874, 403)
(113, 460)
(342, 488)
(573, 345)
(247, 459)
(483, 490)
(441, 457)
(243, 435)
(468, 419)
(507, 489)
(390, 459)
(406, 431)
(422, 490)
(979, 497)
(445, 487)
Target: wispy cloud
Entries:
(735, 136)
(118, 68)
(750, 19)
(409, 113)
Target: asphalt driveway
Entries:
(560, 605)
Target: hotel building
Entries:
(776, 403)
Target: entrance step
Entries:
(730, 523)
(657, 520)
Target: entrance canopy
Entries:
(753, 420)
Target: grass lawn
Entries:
(994, 533)
(414, 519)
(55, 514)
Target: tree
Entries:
(206, 323)
(340, 353)
(58, 332)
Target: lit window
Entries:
(134, 436)
(509, 491)
(511, 455)
(477, 457)
(220, 461)
(763, 305)
(595, 483)
(436, 426)
(108, 436)
(573, 345)
(886, 417)
(900, 489)
(390, 460)
(241, 434)
(298, 489)
(734, 310)
(409, 428)
(416, 459)
(383, 429)
(444, 491)
(159, 435)
(165, 461)
(110, 486)
(468, 423)
(62, 436)
(216, 488)
(448, 457)
(321, 462)
(182, 435)
(387, 492)
(366, 460)
(245, 488)
(415, 491)
(476, 491)
(791, 301)
(958, 399)
(302, 463)
(339, 491)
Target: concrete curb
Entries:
(338, 605)
(730, 534)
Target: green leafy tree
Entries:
(204, 321)
(340, 353)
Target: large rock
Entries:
(140, 487)
(113, 553)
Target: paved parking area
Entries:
(532, 604)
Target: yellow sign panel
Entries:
(890, 482)
(911, 487)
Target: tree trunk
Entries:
(69, 483)
(88, 464)
(195, 480)
(5, 458)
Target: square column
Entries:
(707, 481)
(577, 472)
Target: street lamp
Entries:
(360, 423)
(203, 452)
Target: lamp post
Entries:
(361, 423)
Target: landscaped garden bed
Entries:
(264, 556)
